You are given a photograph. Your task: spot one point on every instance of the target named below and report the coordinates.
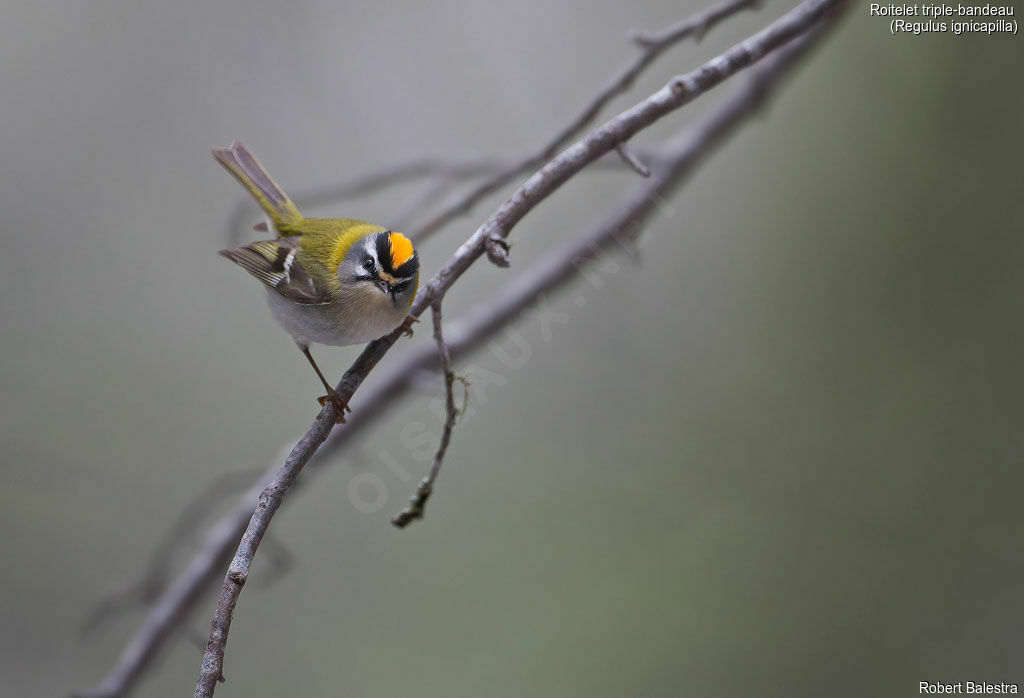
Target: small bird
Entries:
(332, 281)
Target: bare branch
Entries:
(501, 172)
(426, 487)
(696, 26)
(619, 84)
(681, 90)
(618, 232)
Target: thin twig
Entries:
(681, 90)
(418, 501)
(619, 84)
(696, 26)
(630, 158)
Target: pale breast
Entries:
(354, 319)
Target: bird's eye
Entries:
(368, 264)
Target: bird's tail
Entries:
(241, 163)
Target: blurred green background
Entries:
(781, 457)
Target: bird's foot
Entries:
(340, 404)
(407, 324)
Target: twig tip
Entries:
(630, 158)
(640, 38)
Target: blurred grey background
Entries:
(780, 458)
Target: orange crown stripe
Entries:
(401, 250)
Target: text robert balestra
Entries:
(972, 687)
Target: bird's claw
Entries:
(340, 404)
(407, 324)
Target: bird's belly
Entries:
(334, 324)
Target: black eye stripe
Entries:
(383, 247)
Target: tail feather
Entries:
(241, 163)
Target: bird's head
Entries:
(386, 261)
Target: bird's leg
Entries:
(331, 395)
(407, 324)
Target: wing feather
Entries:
(276, 264)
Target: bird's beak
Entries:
(383, 286)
